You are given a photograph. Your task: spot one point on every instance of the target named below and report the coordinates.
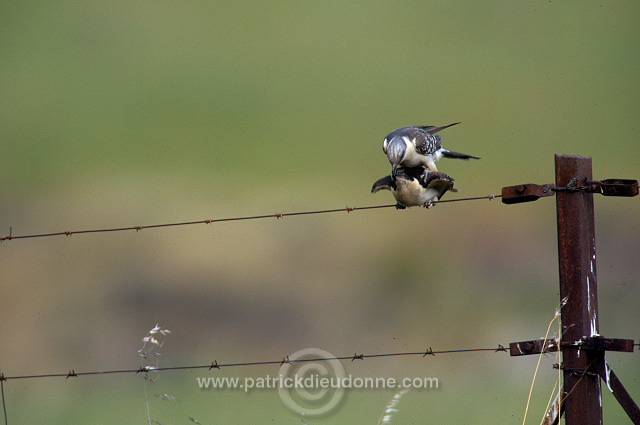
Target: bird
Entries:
(415, 186)
(417, 145)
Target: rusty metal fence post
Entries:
(577, 260)
(583, 348)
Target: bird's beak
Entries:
(394, 170)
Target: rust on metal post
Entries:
(607, 344)
(614, 187)
(532, 192)
(599, 343)
(525, 193)
(583, 349)
(537, 346)
(577, 258)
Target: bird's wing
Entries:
(431, 177)
(437, 181)
(384, 183)
(422, 136)
(425, 143)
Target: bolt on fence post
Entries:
(578, 284)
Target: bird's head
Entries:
(396, 150)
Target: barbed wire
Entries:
(219, 220)
(215, 365)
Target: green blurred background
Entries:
(119, 113)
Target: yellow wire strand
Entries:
(535, 373)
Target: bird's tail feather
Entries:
(433, 129)
(457, 155)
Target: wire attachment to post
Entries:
(532, 192)
(614, 187)
(526, 192)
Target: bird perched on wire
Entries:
(415, 186)
(418, 145)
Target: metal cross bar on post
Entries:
(583, 349)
